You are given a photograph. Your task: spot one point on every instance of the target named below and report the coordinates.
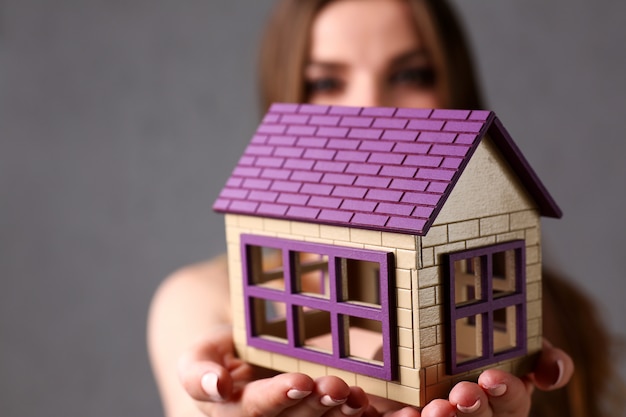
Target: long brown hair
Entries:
(283, 56)
(285, 47)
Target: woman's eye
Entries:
(323, 85)
(419, 77)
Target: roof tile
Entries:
(345, 144)
(281, 140)
(356, 121)
(301, 119)
(351, 192)
(272, 209)
(450, 114)
(413, 113)
(303, 212)
(325, 202)
(286, 186)
(325, 120)
(405, 135)
(345, 110)
(420, 124)
(359, 133)
(378, 111)
(319, 189)
(301, 130)
(352, 156)
(306, 176)
(390, 123)
(358, 205)
(313, 109)
(336, 132)
(340, 216)
(473, 127)
(366, 219)
(330, 166)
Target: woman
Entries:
(352, 52)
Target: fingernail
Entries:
(328, 401)
(296, 394)
(209, 385)
(561, 366)
(469, 409)
(349, 411)
(496, 390)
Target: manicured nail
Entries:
(296, 394)
(469, 409)
(496, 390)
(328, 401)
(209, 385)
(349, 411)
(561, 366)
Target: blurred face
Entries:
(368, 53)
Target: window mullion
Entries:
(336, 327)
(487, 319)
(290, 310)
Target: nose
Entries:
(365, 91)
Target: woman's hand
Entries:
(224, 385)
(498, 393)
(221, 384)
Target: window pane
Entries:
(467, 281)
(311, 274)
(314, 329)
(504, 329)
(363, 339)
(469, 338)
(266, 267)
(360, 281)
(503, 268)
(269, 319)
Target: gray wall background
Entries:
(120, 120)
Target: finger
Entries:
(208, 369)
(554, 368)
(439, 408)
(507, 394)
(270, 397)
(354, 406)
(403, 412)
(469, 400)
(205, 381)
(330, 393)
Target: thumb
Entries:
(204, 369)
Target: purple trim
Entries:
(520, 165)
(334, 304)
(486, 306)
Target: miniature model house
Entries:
(398, 249)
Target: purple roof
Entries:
(379, 168)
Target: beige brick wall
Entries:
(404, 248)
(468, 234)
(419, 302)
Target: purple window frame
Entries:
(486, 306)
(334, 304)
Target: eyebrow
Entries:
(409, 56)
(399, 60)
